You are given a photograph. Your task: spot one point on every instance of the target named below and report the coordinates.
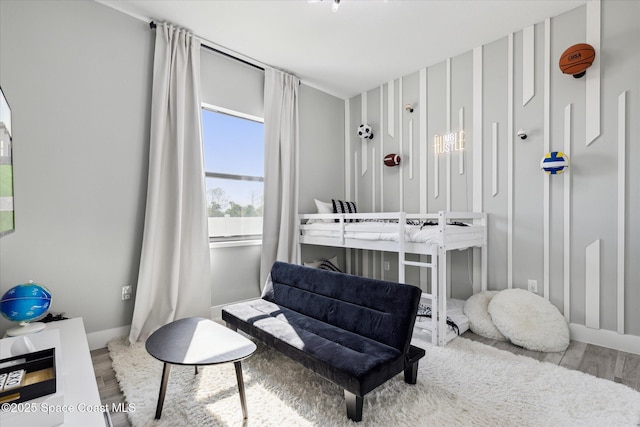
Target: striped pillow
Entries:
(340, 206)
(325, 264)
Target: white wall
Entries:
(321, 119)
(585, 197)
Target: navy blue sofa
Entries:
(351, 330)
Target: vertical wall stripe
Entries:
(357, 269)
(411, 149)
(546, 149)
(365, 263)
(347, 149)
(461, 129)
(448, 154)
(510, 99)
(494, 159)
(477, 155)
(448, 94)
(374, 177)
(355, 181)
(363, 141)
(477, 129)
(422, 133)
(391, 114)
(436, 176)
(622, 145)
(592, 291)
(422, 104)
(567, 217)
(400, 142)
(593, 73)
(528, 64)
(381, 166)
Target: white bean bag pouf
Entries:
(528, 320)
(475, 308)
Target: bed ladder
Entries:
(438, 325)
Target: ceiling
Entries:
(364, 44)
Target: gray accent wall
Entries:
(77, 75)
(78, 78)
(588, 202)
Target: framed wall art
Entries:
(7, 220)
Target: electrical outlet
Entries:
(126, 293)
(532, 285)
(386, 266)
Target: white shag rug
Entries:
(465, 383)
(529, 320)
(475, 308)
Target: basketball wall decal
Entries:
(391, 160)
(577, 59)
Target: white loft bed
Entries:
(381, 231)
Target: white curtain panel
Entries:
(279, 242)
(174, 277)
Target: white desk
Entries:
(82, 406)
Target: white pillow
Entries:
(480, 323)
(529, 320)
(323, 208)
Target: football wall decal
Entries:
(391, 160)
(576, 59)
(365, 131)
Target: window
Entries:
(234, 170)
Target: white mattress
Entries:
(371, 230)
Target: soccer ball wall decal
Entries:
(365, 131)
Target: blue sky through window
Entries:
(234, 145)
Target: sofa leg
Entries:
(411, 373)
(354, 406)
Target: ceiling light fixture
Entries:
(335, 4)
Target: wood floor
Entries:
(598, 361)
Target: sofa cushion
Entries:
(381, 311)
(357, 363)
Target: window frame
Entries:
(238, 240)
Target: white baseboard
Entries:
(100, 339)
(604, 338)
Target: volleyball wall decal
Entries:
(554, 162)
(576, 59)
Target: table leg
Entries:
(243, 400)
(163, 389)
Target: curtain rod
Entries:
(153, 25)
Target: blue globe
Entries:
(25, 302)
